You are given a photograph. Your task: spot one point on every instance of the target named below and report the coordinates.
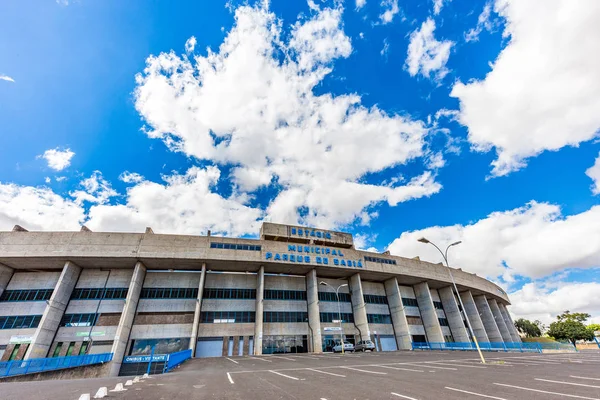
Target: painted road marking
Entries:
(261, 359)
(232, 360)
(454, 365)
(545, 391)
(325, 372)
(584, 377)
(286, 376)
(431, 366)
(229, 377)
(286, 358)
(567, 383)
(365, 371)
(475, 394)
(404, 397)
(400, 369)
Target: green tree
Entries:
(528, 328)
(593, 328)
(570, 326)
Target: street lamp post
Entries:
(445, 255)
(339, 310)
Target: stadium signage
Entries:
(309, 232)
(314, 255)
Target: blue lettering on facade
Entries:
(325, 260)
(318, 259)
(292, 258)
(291, 247)
(310, 233)
(268, 255)
(336, 261)
(318, 250)
(277, 257)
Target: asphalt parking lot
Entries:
(394, 375)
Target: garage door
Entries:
(388, 343)
(209, 347)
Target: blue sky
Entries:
(391, 120)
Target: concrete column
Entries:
(394, 298)
(474, 318)
(504, 332)
(453, 315)
(358, 307)
(258, 324)
(312, 303)
(5, 274)
(46, 330)
(126, 322)
(488, 319)
(194, 337)
(428, 313)
(514, 334)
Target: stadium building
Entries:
(70, 293)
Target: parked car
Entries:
(347, 347)
(365, 345)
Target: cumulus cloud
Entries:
(37, 209)
(131, 177)
(538, 301)
(184, 204)
(594, 173)
(94, 189)
(243, 105)
(58, 159)
(438, 5)
(543, 92)
(390, 9)
(532, 241)
(6, 78)
(426, 55)
(360, 4)
(190, 44)
(483, 22)
(47, 179)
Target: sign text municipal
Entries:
(322, 255)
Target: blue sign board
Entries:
(145, 359)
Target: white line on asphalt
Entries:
(544, 391)
(584, 377)
(284, 375)
(286, 358)
(325, 372)
(232, 360)
(400, 369)
(431, 366)
(567, 383)
(261, 359)
(453, 365)
(364, 370)
(404, 397)
(475, 394)
(230, 380)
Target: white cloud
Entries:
(47, 179)
(594, 173)
(190, 44)
(243, 106)
(532, 241)
(543, 92)
(426, 55)
(391, 9)
(537, 301)
(386, 48)
(360, 4)
(438, 5)
(60, 178)
(185, 204)
(58, 159)
(131, 177)
(483, 22)
(95, 189)
(6, 78)
(37, 209)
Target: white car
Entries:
(347, 347)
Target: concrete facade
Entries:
(488, 319)
(474, 318)
(224, 296)
(44, 334)
(400, 324)
(460, 332)
(504, 332)
(514, 334)
(428, 313)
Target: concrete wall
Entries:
(6, 274)
(487, 318)
(428, 313)
(504, 332)
(400, 325)
(96, 278)
(474, 318)
(453, 315)
(358, 306)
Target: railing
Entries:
(174, 359)
(20, 367)
(487, 346)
